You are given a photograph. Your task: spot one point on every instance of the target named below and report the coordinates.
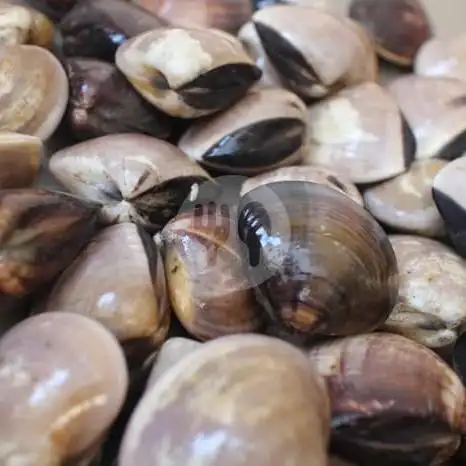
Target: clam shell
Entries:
(265, 129)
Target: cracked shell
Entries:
(118, 280)
(96, 28)
(320, 263)
(136, 178)
(432, 291)
(264, 130)
(435, 109)
(208, 70)
(360, 133)
(393, 401)
(63, 380)
(267, 391)
(103, 102)
(33, 90)
(314, 52)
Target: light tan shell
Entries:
(406, 202)
(432, 291)
(33, 90)
(357, 133)
(435, 109)
(63, 380)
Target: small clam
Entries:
(435, 109)
(33, 90)
(255, 401)
(314, 52)
(103, 102)
(95, 28)
(63, 381)
(207, 70)
(207, 282)
(136, 178)
(405, 202)
(432, 291)
(305, 173)
(321, 264)
(394, 402)
(227, 15)
(119, 281)
(399, 27)
(265, 129)
(20, 157)
(361, 133)
(448, 191)
(442, 57)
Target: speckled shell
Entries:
(361, 134)
(63, 381)
(393, 400)
(33, 90)
(321, 264)
(209, 72)
(135, 177)
(246, 394)
(265, 129)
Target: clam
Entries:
(320, 263)
(448, 188)
(20, 157)
(63, 381)
(135, 177)
(103, 102)
(432, 291)
(33, 90)
(393, 400)
(207, 282)
(227, 15)
(442, 57)
(435, 109)
(314, 52)
(119, 281)
(207, 69)
(305, 173)
(95, 28)
(22, 25)
(399, 27)
(405, 203)
(266, 129)
(360, 133)
(254, 399)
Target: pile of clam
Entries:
(226, 239)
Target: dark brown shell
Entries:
(321, 264)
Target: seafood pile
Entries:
(250, 249)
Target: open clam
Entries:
(207, 70)
(136, 178)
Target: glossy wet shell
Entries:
(361, 134)
(305, 173)
(119, 281)
(63, 380)
(20, 157)
(207, 282)
(432, 290)
(405, 202)
(379, 383)
(321, 263)
(33, 90)
(247, 408)
(136, 178)
(265, 129)
(448, 191)
(209, 72)
(435, 109)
